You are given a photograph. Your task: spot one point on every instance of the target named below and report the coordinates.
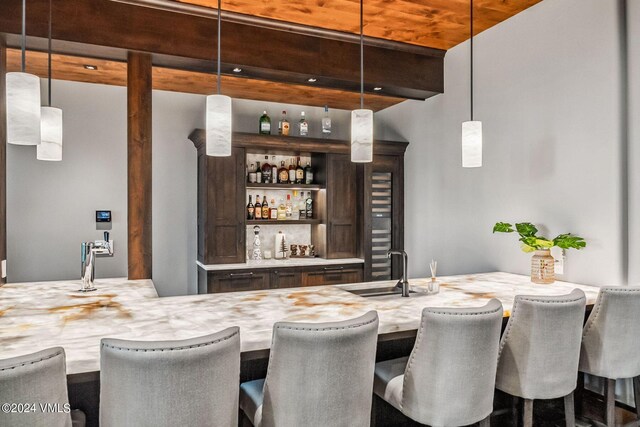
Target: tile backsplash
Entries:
(297, 234)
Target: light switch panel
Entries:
(4, 269)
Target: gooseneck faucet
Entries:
(403, 283)
(88, 253)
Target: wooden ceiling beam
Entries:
(108, 29)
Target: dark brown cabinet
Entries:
(285, 278)
(238, 281)
(332, 276)
(342, 198)
(221, 217)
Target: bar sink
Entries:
(378, 292)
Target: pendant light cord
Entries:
(49, 59)
(24, 34)
(219, 22)
(361, 55)
(471, 54)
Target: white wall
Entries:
(633, 73)
(548, 90)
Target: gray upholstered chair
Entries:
(540, 349)
(319, 374)
(38, 378)
(449, 378)
(190, 382)
(611, 342)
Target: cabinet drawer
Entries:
(332, 276)
(236, 282)
(285, 279)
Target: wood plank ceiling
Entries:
(440, 24)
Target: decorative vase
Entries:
(542, 267)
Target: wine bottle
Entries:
(308, 174)
(258, 208)
(265, 124)
(299, 173)
(274, 170)
(266, 212)
(266, 171)
(283, 174)
(250, 210)
(258, 174)
(292, 171)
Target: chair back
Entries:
(540, 347)
(450, 376)
(170, 383)
(321, 374)
(612, 334)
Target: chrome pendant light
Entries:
(472, 129)
(218, 120)
(362, 119)
(23, 99)
(50, 147)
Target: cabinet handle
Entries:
(231, 275)
(333, 268)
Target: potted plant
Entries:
(542, 263)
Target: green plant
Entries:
(532, 242)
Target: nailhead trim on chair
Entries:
(600, 303)
(172, 348)
(329, 328)
(32, 362)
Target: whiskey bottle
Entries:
(265, 124)
(283, 174)
(308, 174)
(266, 212)
(326, 123)
(283, 125)
(274, 170)
(282, 210)
(258, 208)
(288, 207)
(250, 210)
(309, 203)
(303, 125)
(258, 174)
(292, 171)
(274, 210)
(266, 171)
(299, 173)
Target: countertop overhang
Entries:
(34, 316)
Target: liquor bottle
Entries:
(292, 171)
(252, 173)
(282, 210)
(266, 212)
(283, 125)
(265, 124)
(258, 208)
(326, 123)
(303, 125)
(274, 210)
(299, 173)
(258, 174)
(283, 174)
(288, 207)
(274, 170)
(295, 211)
(302, 206)
(308, 174)
(309, 203)
(266, 171)
(250, 209)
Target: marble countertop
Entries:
(279, 263)
(34, 316)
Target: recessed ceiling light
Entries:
(312, 80)
(91, 67)
(237, 70)
(377, 88)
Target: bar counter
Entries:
(34, 316)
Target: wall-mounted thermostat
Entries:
(103, 216)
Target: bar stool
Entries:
(449, 378)
(319, 374)
(37, 378)
(190, 382)
(540, 349)
(611, 343)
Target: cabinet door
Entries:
(285, 279)
(221, 205)
(332, 276)
(342, 199)
(236, 282)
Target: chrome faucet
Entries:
(403, 283)
(88, 253)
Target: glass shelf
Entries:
(282, 221)
(253, 185)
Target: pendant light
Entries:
(218, 126)
(50, 147)
(472, 129)
(361, 120)
(23, 99)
